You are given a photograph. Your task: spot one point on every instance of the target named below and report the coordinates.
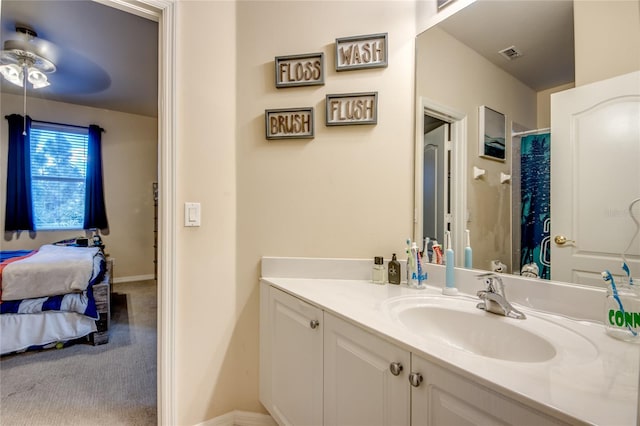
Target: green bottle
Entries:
(394, 270)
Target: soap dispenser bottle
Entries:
(394, 270)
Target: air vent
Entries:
(511, 53)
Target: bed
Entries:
(53, 295)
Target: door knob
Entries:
(395, 368)
(562, 240)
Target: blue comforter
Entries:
(81, 303)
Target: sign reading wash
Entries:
(352, 108)
(367, 51)
(291, 123)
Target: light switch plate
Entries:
(191, 214)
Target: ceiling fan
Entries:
(27, 59)
(58, 68)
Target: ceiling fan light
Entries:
(12, 73)
(37, 78)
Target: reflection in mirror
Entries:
(459, 67)
(440, 173)
(435, 179)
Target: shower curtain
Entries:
(535, 224)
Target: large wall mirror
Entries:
(513, 57)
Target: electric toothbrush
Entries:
(450, 284)
(468, 253)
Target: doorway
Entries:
(440, 174)
(436, 179)
(163, 12)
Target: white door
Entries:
(362, 387)
(595, 175)
(435, 183)
(294, 394)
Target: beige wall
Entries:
(346, 193)
(207, 375)
(544, 104)
(129, 148)
(607, 44)
(607, 35)
(453, 75)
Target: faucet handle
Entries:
(488, 279)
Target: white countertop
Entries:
(598, 387)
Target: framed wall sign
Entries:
(300, 70)
(290, 123)
(352, 108)
(492, 134)
(443, 3)
(366, 51)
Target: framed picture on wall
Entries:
(443, 3)
(365, 51)
(300, 70)
(289, 123)
(351, 108)
(493, 130)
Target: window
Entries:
(58, 172)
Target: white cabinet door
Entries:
(445, 398)
(291, 359)
(360, 388)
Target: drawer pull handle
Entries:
(415, 379)
(314, 324)
(395, 368)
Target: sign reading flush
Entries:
(352, 108)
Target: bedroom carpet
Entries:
(111, 384)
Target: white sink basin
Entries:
(457, 323)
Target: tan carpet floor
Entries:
(111, 384)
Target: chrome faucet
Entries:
(494, 299)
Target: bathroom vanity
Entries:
(336, 349)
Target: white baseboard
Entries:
(241, 418)
(133, 278)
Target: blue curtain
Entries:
(19, 212)
(95, 214)
(535, 186)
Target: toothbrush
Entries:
(425, 249)
(625, 267)
(449, 262)
(606, 275)
(410, 256)
(468, 253)
(419, 260)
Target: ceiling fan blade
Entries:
(77, 74)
